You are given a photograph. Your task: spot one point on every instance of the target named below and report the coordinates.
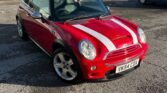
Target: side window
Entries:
(26, 1)
(57, 2)
(42, 6)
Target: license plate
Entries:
(127, 66)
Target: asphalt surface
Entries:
(24, 68)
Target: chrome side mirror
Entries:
(36, 15)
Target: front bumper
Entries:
(105, 69)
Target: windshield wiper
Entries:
(79, 17)
(103, 15)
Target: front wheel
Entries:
(66, 66)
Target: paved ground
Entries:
(24, 68)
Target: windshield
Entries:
(71, 9)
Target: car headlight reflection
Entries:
(87, 49)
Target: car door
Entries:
(24, 14)
(40, 28)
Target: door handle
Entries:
(27, 14)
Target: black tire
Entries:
(21, 30)
(75, 66)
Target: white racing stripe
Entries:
(135, 40)
(103, 39)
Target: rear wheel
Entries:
(20, 30)
(66, 66)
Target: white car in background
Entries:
(152, 1)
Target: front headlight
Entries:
(142, 35)
(87, 49)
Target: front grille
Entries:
(124, 51)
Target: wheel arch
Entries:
(58, 43)
(17, 17)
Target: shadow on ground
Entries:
(23, 63)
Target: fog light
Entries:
(93, 68)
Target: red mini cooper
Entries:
(83, 38)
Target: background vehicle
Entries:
(152, 1)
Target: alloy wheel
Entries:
(20, 29)
(63, 65)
